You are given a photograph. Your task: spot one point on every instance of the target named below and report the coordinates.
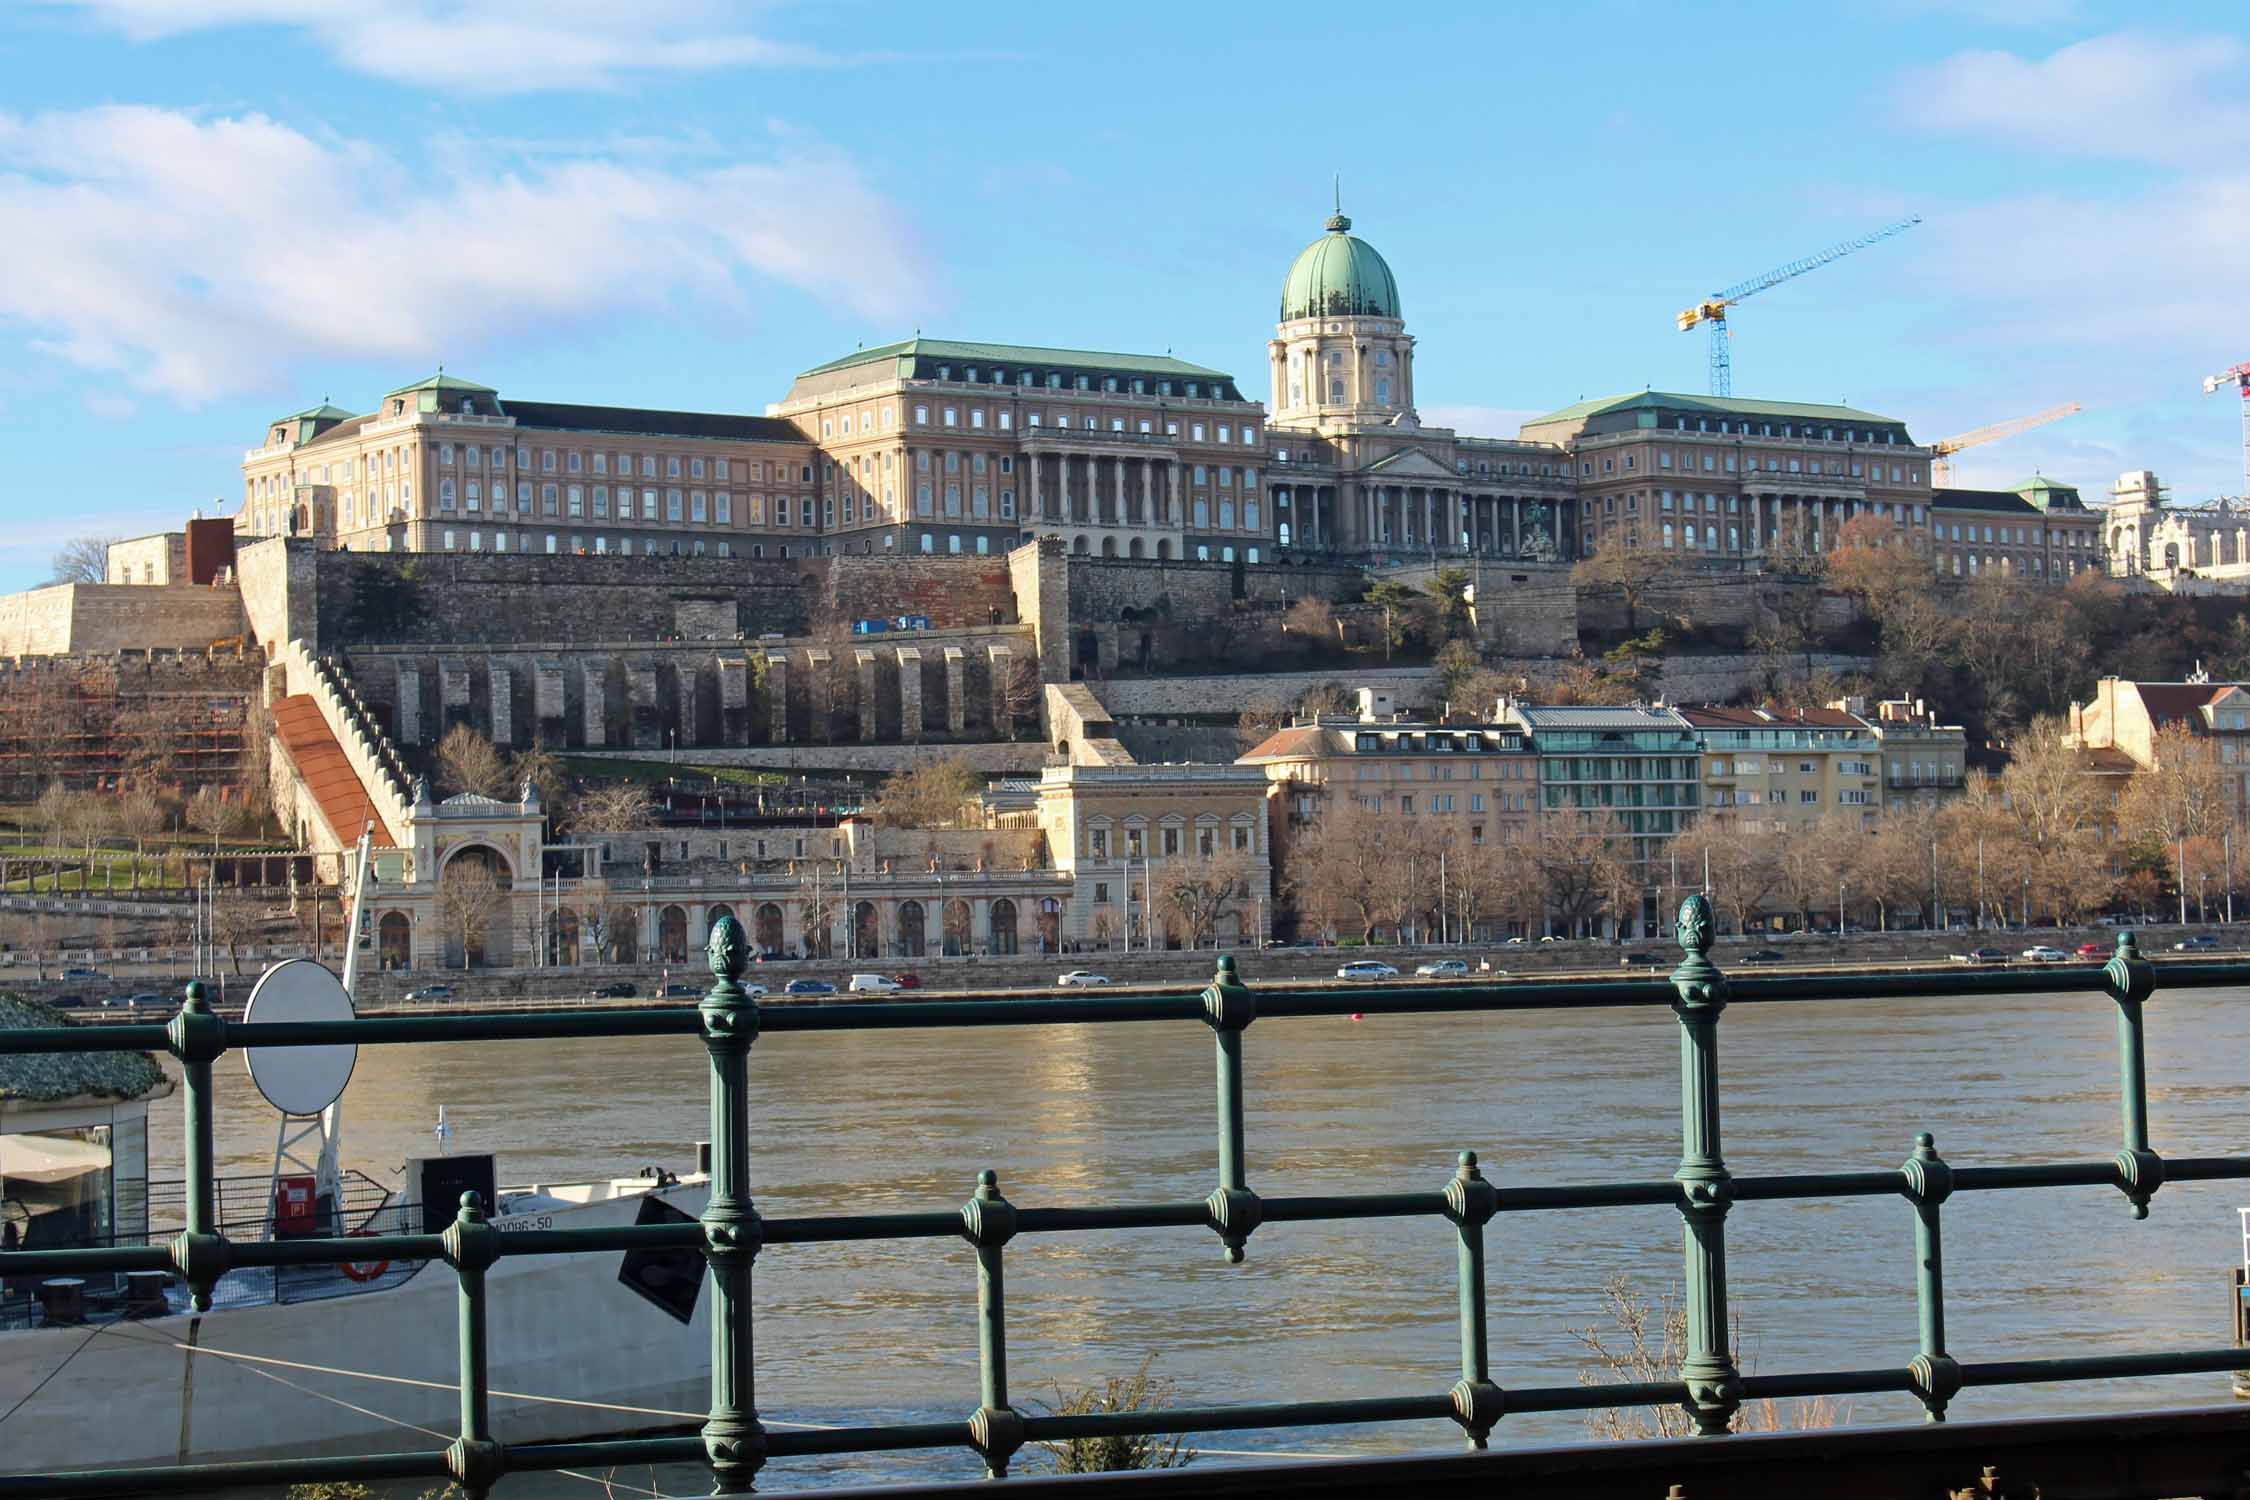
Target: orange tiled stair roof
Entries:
(335, 786)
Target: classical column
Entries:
(1117, 490)
(1148, 490)
(1062, 485)
(1038, 490)
(1515, 509)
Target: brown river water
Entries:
(873, 1122)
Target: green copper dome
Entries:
(1339, 275)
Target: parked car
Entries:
(677, 992)
(83, 974)
(2040, 953)
(437, 992)
(808, 987)
(2091, 950)
(135, 1002)
(909, 980)
(1765, 956)
(619, 990)
(1367, 968)
(1514, 942)
(754, 991)
(1982, 956)
(876, 984)
(1442, 968)
(2201, 942)
(1643, 957)
(1078, 977)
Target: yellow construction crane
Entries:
(1942, 451)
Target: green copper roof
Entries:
(1718, 406)
(1021, 354)
(49, 1078)
(444, 382)
(1339, 275)
(321, 413)
(2048, 493)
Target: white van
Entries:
(881, 984)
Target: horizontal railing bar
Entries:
(1351, 1206)
(1595, 1397)
(1826, 1383)
(1016, 1008)
(1247, 1416)
(2037, 1174)
(840, 1228)
(1131, 1216)
(600, 1453)
(889, 1438)
(1816, 1185)
(2205, 1168)
(2105, 1366)
(1658, 1194)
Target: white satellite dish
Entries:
(300, 1080)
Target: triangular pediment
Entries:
(1411, 463)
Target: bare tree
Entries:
(1580, 865)
(1023, 692)
(82, 559)
(1627, 565)
(470, 900)
(1341, 867)
(214, 815)
(1199, 892)
(928, 794)
(2181, 795)
(617, 807)
(235, 921)
(468, 762)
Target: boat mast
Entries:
(332, 1118)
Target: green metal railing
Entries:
(731, 1233)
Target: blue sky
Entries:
(224, 210)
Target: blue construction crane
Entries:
(1713, 309)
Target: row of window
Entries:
(1169, 842)
(1768, 463)
(555, 544)
(1056, 380)
(578, 461)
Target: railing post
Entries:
(989, 1222)
(2130, 980)
(1228, 1009)
(471, 1246)
(1470, 1202)
(200, 1253)
(1714, 1385)
(733, 1438)
(1929, 1182)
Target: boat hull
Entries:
(574, 1352)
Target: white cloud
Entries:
(493, 47)
(200, 256)
(2125, 96)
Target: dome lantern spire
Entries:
(1339, 274)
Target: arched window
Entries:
(913, 929)
(1004, 940)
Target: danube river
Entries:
(904, 1120)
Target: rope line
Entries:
(454, 1387)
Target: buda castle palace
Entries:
(940, 446)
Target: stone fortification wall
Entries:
(952, 591)
(932, 685)
(333, 600)
(1138, 704)
(1017, 758)
(1104, 589)
(1522, 608)
(78, 618)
